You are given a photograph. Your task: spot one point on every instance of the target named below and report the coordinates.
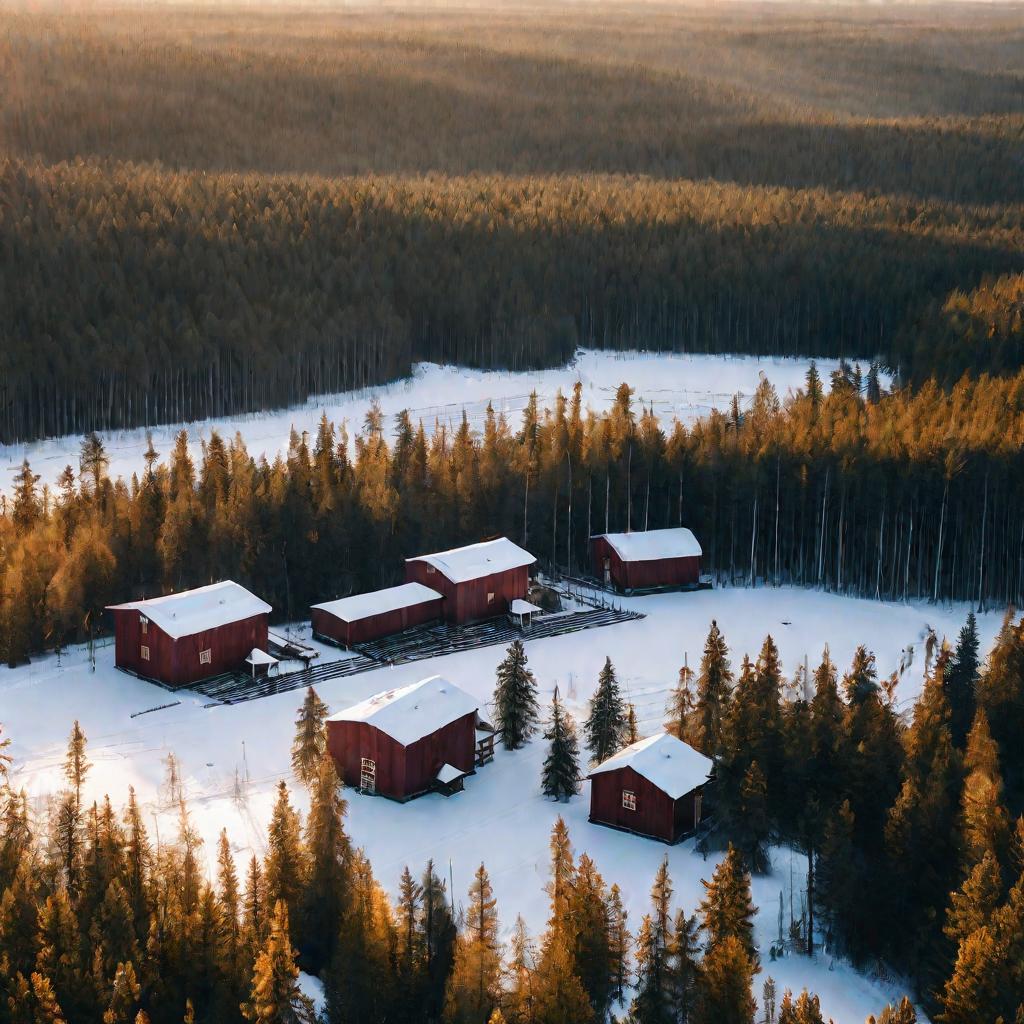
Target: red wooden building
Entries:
(405, 742)
(365, 617)
(478, 581)
(649, 558)
(653, 787)
(182, 638)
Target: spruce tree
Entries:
(620, 942)
(438, 936)
(325, 882)
(284, 868)
(632, 730)
(516, 708)
(475, 983)
(681, 703)
(653, 1002)
(592, 952)
(605, 727)
(727, 910)
(310, 739)
(986, 823)
(76, 764)
(560, 778)
(275, 996)
(714, 683)
(961, 679)
(805, 1009)
(903, 1013)
(684, 958)
(723, 987)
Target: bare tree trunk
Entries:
(981, 559)
(938, 549)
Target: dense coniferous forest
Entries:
(654, 180)
(912, 494)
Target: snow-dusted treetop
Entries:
(192, 611)
(412, 712)
(665, 761)
(378, 602)
(460, 565)
(652, 545)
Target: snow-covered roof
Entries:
(448, 773)
(412, 712)
(378, 602)
(192, 611)
(258, 657)
(460, 565)
(520, 607)
(652, 545)
(665, 761)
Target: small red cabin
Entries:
(653, 787)
(364, 617)
(182, 638)
(405, 742)
(650, 558)
(478, 581)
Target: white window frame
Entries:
(628, 800)
(144, 625)
(206, 657)
(368, 775)
(144, 652)
(490, 598)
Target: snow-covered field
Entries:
(678, 386)
(501, 818)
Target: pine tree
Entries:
(806, 1009)
(76, 764)
(558, 994)
(592, 952)
(684, 954)
(516, 708)
(275, 997)
(653, 1002)
(961, 679)
(124, 999)
(605, 727)
(632, 731)
(723, 988)
(285, 863)
(727, 910)
(619, 944)
(325, 884)
(474, 987)
(714, 683)
(410, 951)
(47, 1008)
(310, 739)
(561, 775)
(904, 1013)
(971, 907)
(986, 824)
(681, 704)
(438, 936)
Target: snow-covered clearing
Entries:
(678, 386)
(501, 818)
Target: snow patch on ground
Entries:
(232, 757)
(678, 386)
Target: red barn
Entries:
(478, 581)
(653, 787)
(649, 558)
(365, 617)
(182, 638)
(404, 742)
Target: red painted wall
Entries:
(375, 626)
(467, 602)
(663, 572)
(402, 772)
(656, 814)
(176, 662)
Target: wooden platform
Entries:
(412, 645)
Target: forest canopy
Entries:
(206, 211)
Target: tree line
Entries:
(134, 295)
(908, 495)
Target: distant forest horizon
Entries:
(209, 211)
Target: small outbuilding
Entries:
(654, 787)
(183, 638)
(646, 559)
(405, 742)
(365, 617)
(479, 581)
